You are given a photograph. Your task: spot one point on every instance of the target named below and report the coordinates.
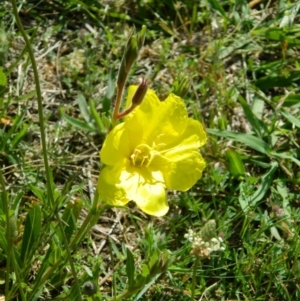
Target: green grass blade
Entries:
(286, 157)
(246, 200)
(247, 139)
(96, 117)
(236, 165)
(256, 124)
(218, 7)
(130, 268)
(268, 82)
(19, 136)
(84, 109)
(293, 120)
(69, 219)
(3, 79)
(31, 232)
(81, 125)
(266, 182)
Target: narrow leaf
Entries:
(84, 110)
(266, 182)
(96, 117)
(255, 123)
(247, 139)
(236, 165)
(272, 81)
(81, 125)
(295, 121)
(218, 7)
(3, 79)
(31, 232)
(69, 219)
(130, 268)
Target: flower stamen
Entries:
(141, 155)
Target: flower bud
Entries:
(134, 44)
(140, 93)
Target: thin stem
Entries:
(118, 102)
(39, 102)
(7, 232)
(194, 278)
(126, 112)
(42, 132)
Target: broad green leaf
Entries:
(32, 230)
(130, 268)
(247, 139)
(236, 165)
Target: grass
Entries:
(241, 60)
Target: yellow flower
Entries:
(156, 147)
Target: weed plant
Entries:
(236, 64)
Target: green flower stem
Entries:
(39, 102)
(118, 102)
(194, 278)
(48, 171)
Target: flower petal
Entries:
(152, 199)
(110, 186)
(122, 183)
(160, 121)
(184, 171)
(185, 162)
(116, 146)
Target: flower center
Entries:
(141, 155)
